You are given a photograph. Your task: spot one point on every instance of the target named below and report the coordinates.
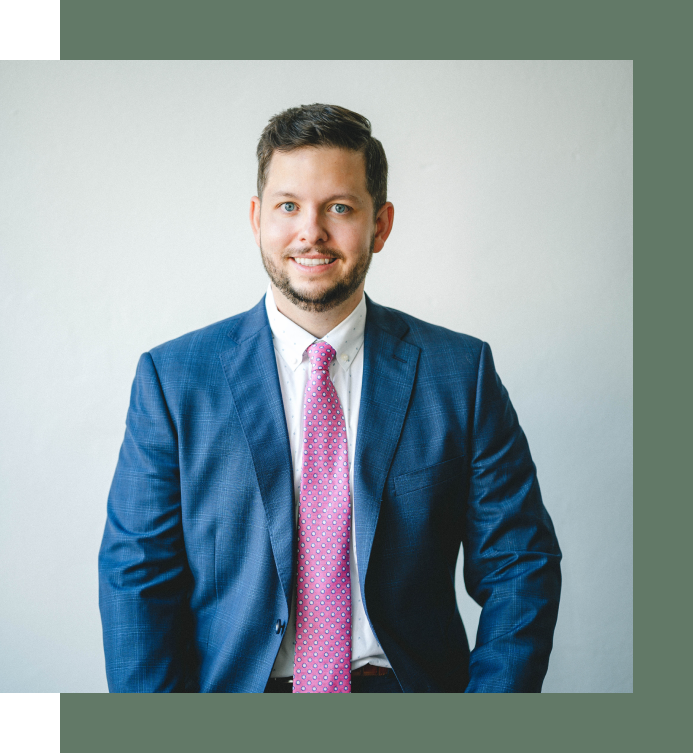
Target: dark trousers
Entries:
(376, 684)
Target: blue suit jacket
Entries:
(198, 556)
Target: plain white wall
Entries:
(124, 194)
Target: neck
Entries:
(317, 323)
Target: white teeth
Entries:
(312, 262)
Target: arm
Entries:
(143, 571)
(512, 557)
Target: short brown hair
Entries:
(324, 125)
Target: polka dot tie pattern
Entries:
(322, 660)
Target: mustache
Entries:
(333, 253)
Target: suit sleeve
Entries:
(143, 572)
(511, 552)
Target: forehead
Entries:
(317, 168)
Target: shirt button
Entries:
(345, 357)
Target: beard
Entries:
(330, 297)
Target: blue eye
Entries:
(341, 208)
(289, 206)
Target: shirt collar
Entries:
(291, 341)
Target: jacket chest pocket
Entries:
(424, 511)
(446, 472)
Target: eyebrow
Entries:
(348, 196)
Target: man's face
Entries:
(315, 226)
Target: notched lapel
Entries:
(251, 371)
(389, 370)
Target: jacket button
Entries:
(278, 627)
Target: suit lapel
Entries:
(389, 370)
(388, 377)
(251, 371)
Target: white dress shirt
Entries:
(346, 372)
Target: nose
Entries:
(313, 230)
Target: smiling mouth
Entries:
(312, 262)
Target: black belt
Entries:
(282, 684)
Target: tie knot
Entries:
(321, 355)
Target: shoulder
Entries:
(208, 342)
(433, 340)
(209, 337)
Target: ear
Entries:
(255, 218)
(383, 225)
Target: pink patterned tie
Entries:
(322, 662)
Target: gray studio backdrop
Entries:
(124, 195)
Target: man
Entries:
(295, 481)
